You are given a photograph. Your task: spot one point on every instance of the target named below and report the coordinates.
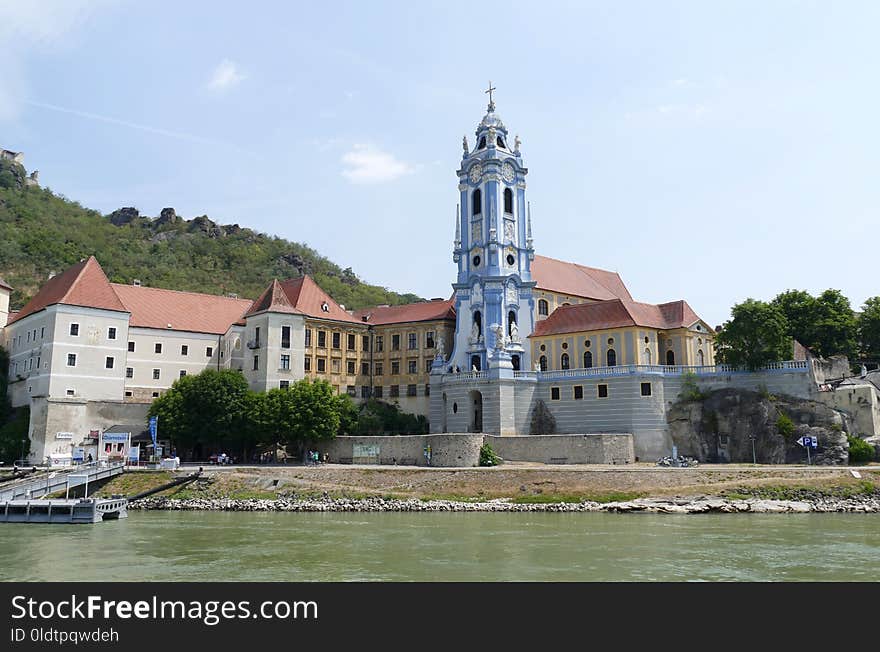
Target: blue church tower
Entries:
(493, 249)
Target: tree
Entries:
(210, 407)
(307, 411)
(825, 324)
(14, 441)
(756, 335)
(869, 329)
(543, 421)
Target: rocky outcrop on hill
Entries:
(723, 426)
(123, 216)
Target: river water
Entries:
(267, 546)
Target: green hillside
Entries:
(41, 233)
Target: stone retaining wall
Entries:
(565, 449)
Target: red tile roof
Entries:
(616, 313)
(273, 299)
(4, 284)
(185, 311)
(410, 312)
(308, 298)
(84, 284)
(577, 280)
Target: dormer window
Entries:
(500, 142)
(482, 144)
(325, 307)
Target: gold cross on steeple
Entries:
(491, 101)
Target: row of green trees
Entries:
(217, 409)
(761, 331)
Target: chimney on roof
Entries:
(136, 282)
(342, 305)
(232, 295)
(51, 275)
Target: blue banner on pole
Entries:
(154, 428)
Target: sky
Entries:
(705, 151)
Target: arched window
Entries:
(499, 141)
(563, 361)
(588, 359)
(542, 306)
(508, 200)
(543, 362)
(700, 359)
(611, 358)
(514, 359)
(482, 144)
(478, 322)
(647, 356)
(477, 202)
(670, 358)
(511, 320)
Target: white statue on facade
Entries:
(477, 294)
(475, 332)
(498, 329)
(514, 332)
(516, 143)
(441, 346)
(464, 144)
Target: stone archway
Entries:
(476, 403)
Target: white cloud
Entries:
(369, 164)
(226, 75)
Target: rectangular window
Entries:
(427, 390)
(307, 363)
(395, 342)
(322, 339)
(429, 340)
(155, 394)
(111, 333)
(42, 332)
(377, 391)
(351, 390)
(184, 349)
(131, 347)
(336, 340)
(209, 351)
(351, 342)
(380, 343)
(380, 369)
(411, 390)
(554, 393)
(646, 389)
(108, 362)
(71, 359)
(74, 330)
(395, 367)
(365, 342)
(350, 366)
(128, 394)
(602, 391)
(182, 373)
(71, 392)
(578, 392)
(394, 391)
(158, 347)
(428, 364)
(322, 365)
(284, 384)
(365, 368)
(285, 362)
(365, 391)
(285, 337)
(334, 365)
(412, 341)
(256, 362)
(129, 372)
(156, 374)
(308, 337)
(257, 336)
(412, 366)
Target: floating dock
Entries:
(84, 510)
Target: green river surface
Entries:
(432, 547)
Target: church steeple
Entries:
(493, 248)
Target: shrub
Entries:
(785, 426)
(860, 451)
(488, 456)
(690, 391)
(543, 421)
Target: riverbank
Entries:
(865, 503)
(521, 487)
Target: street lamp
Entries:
(752, 438)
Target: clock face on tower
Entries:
(507, 172)
(476, 173)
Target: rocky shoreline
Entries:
(698, 505)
